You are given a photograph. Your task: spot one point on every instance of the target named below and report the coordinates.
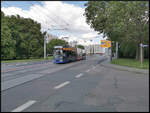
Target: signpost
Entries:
(107, 44)
(141, 53)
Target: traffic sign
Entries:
(145, 46)
(142, 45)
(105, 43)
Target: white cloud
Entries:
(56, 14)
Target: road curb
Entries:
(124, 68)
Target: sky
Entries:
(59, 18)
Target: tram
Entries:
(64, 54)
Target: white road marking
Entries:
(24, 106)
(81, 74)
(62, 85)
(88, 70)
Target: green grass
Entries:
(27, 60)
(131, 63)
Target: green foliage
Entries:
(21, 38)
(122, 21)
(127, 50)
(80, 46)
(7, 43)
(55, 42)
(131, 63)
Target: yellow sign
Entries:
(108, 43)
(69, 49)
(105, 43)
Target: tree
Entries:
(7, 43)
(120, 20)
(55, 42)
(27, 36)
(80, 46)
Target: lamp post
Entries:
(45, 39)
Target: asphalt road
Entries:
(79, 86)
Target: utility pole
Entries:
(93, 48)
(45, 46)
(116, 50)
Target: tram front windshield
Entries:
(58, 53)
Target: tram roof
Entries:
(65, 48)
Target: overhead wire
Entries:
(51, 19)
(44, 20)
(60, 19)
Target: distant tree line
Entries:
(21, 38)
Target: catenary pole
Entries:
(116, 50)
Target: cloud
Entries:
(57, 15)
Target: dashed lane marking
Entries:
(88, 70)
(62, 85)
(24, 106)
(78, 76)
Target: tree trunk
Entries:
(137, 52)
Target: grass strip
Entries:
(131, 63)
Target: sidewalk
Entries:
(124, 68)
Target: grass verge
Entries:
(131, 63)
(27, 60)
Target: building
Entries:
(94, 49)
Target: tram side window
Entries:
(65, 53)
(68, 53)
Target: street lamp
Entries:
(45, 40)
